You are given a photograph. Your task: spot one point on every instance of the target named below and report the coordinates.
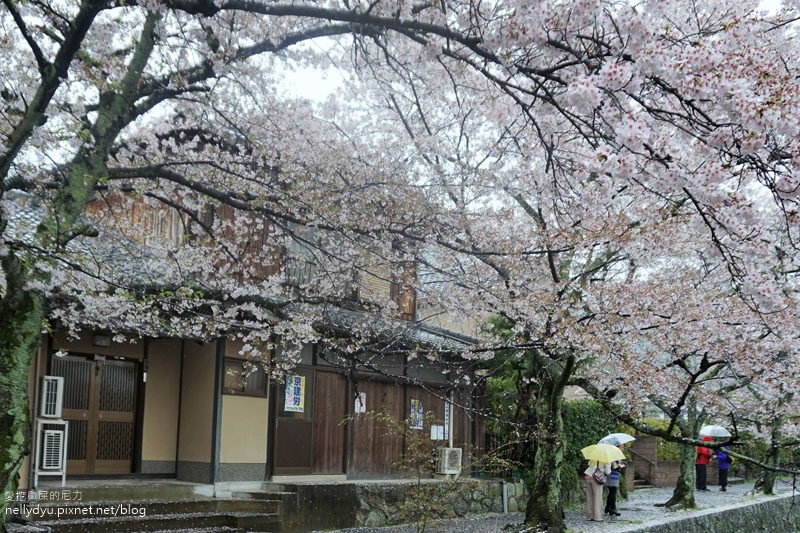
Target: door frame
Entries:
(307, 418)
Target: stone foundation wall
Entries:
(776, 515)
(375, 504)
(381, 505)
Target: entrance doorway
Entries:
(312, 441)
(100, 405)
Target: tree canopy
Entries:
(619, 182)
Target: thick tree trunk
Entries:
(683, 495)
(21, 316)
(768, 479)
(22, 310)
(766, 482)
(545, 510)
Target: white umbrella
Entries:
(714, 431)
(615, 439)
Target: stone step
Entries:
(81, 509)
(136, 490)
(171, 522)
(287, 502)
(202, 530)
(263, 494)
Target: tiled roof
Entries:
(134, 262)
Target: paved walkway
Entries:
(637, 511)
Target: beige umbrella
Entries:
(603, 453)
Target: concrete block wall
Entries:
(779, 514)
(660, 472)
(667, 472)
(644, 457)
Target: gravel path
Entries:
(637, 511)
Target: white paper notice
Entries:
(437, 432)
(361, 403)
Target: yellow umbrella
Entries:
(602, 453)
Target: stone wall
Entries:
(411, 501)
(776, 515)
(375, 504)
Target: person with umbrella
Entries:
(701, 463)
(617, 467)
(600, 457)
(723, 463)
(722, 457)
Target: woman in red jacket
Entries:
(701, 464)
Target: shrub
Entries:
(585, 422)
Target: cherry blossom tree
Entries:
(574, 167)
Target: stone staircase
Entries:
(153, 507)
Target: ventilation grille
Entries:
(53, 450)
(52, 396)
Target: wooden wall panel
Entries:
(376, 448)
(432, 404)
(293, 450)
(330, 396)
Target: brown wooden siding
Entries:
(293, 431)
(376, 448)
(330, 399)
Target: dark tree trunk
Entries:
(683, 495)
(21, 317)
(766, 481)
(545, 509)
(22, 310)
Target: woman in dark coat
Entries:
(613, 486)
(723, 463)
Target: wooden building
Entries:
(180, 408)
(197, 411)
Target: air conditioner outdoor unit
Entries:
(53, 449)
(52, 397)
(448, 461)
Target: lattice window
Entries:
(115, 441)
(77, 375)
(118, 388)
